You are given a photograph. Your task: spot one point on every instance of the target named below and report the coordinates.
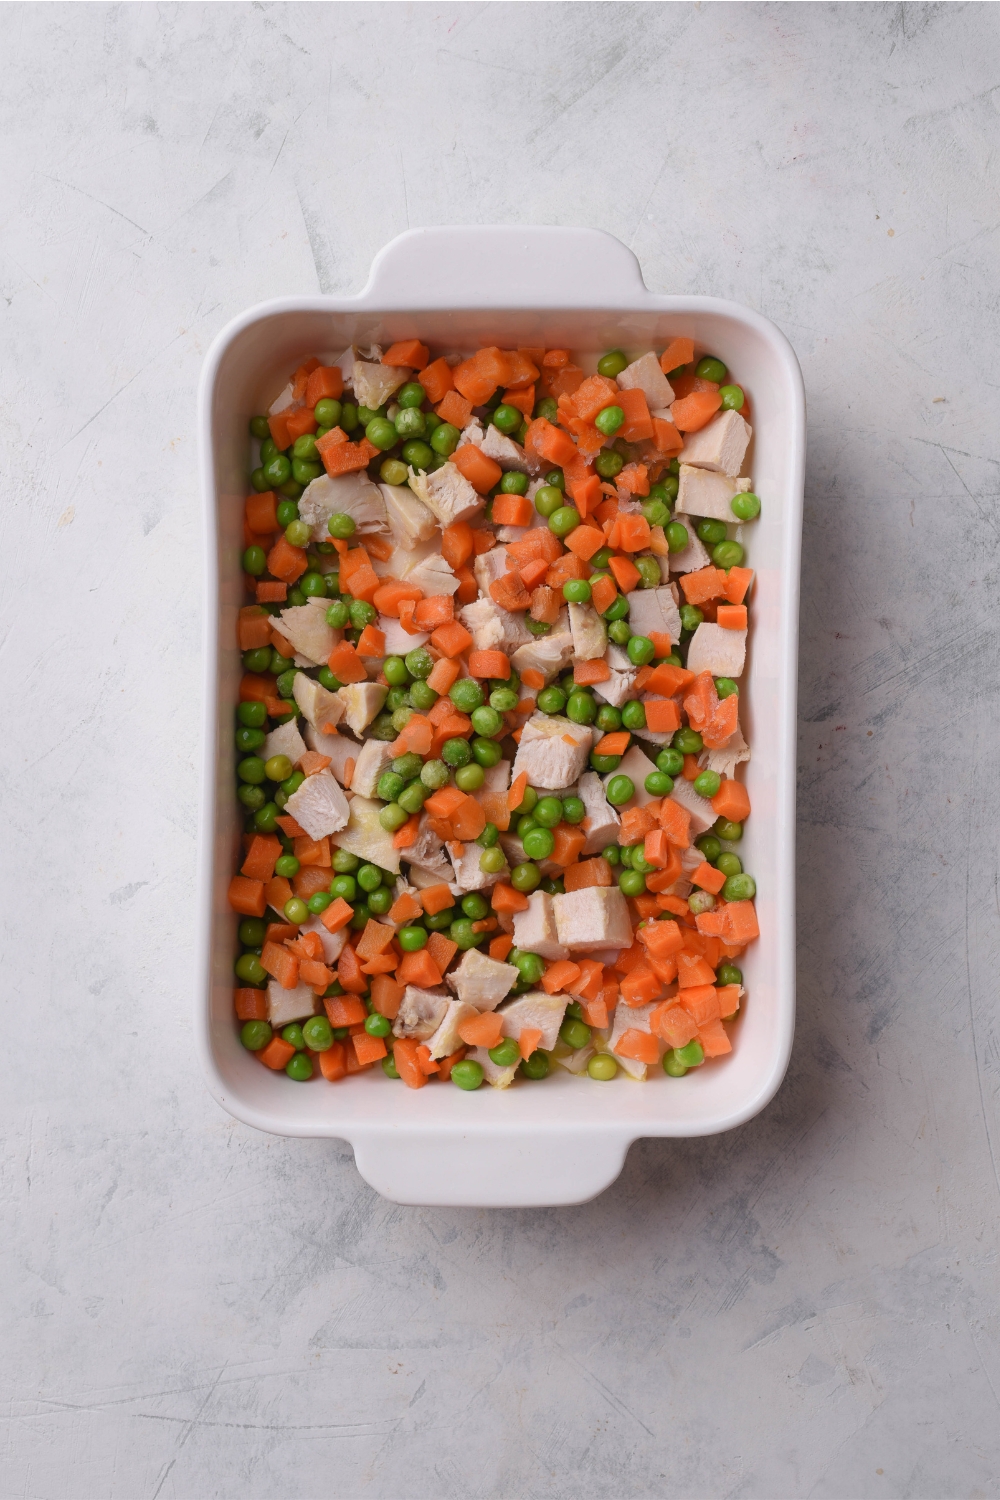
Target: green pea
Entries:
(392, 817)
(670, 761)
(728, 974)
(514, 483)
(299, 1067)
(422, 696)
(467, 1074)
(548, 812)
(252, 931)
(286, 865)
(633, 714)
(537, 627)
(732, 397)
(341, 525)
(504, 700)
(293, 1035)
(389, 1066)
(317, 1033)
(456, 752)
(699, 902)
(659, 784)
(489, 836)
(338, 614)
(492, 861)
(412, 799)
(259, 427)
(254, 1035)
(251, 770)
(417, 454)
(393, 471)
(581, 708)
(419, 663)
(649, 572)
(313, 585)
(745, 507)
(602, 1066)
(461, 933)
(729, 864)
(539, 843)
(564, 520)
(711, 532)
(727, 830)
(603, 763)
(548, 500)
(380, 901)
(362, 613)
(612, 854)
(507, 419)
(295, 596)
(727, 555)
(319, 902)
(688, 742)
(575, 1034)
(412, 939)
(612, 363)
(259, 480)
(710, 368)
(620, 632)
(506, 1053)
(252, 715)
(608, 718)
(445, 439)
(528, 802)
(389, 786)
(345, 887)
(327, 412)
(691, 617)
(470, 778)
(725, 687)
(576, 591)
(361, 918)
(619, 789)
(618, 608)
(525, 877)
(475, 906)
(278, 768)
(382, 728)
(349, 419)
(656, 512)
(677, 536)
(691, 1056)
(609, 463)
(296, 911)
(394, 668)
(411, 394)
(410, 423)
(257, 660)
(530, 966)
(640, 650)
(709, 846)
(290, 489)
(525, 823)
(292, 783)
(249, 968)
(304, 473)
(672, 1067)
(435, 774)
(344, 862)
(381, 432)
(632, 882)
(265, 819)
(574, 810)
(440, 920)
(536, 1066)
(254, 561)
(278, 470)
(609, 420)
(707, 783)
(486, 721)
(739, 888)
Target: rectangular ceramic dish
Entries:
(564, 1140)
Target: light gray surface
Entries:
(806, 1307)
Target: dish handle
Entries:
(503, 265)
(512, 1169)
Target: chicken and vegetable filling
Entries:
(489, 722)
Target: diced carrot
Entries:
(603, 590)
(251, 1005)
(326, 383)
(375, 938)
(451, 639)
(278, 427)
(345, 1010)
(646, 906)
(533, 573)
(310, 880)
(701, 1001)
(678, 352)
(499, 947)
(365, 584)
(513, 510)
(538, 542)
(559, 975)
(386, 996)
(484, 1030)
(444, 674)
(635, 479)
(585, 673)
(738, 581)
(344, 458)
(477, 378)
(672, 1024)
(469, 820)
(419, 969)
(337, 915)
(638, 424)
(713, 1039)
(509, 592)
(306, 945)
(666, 439)
(523, 399)
(564, 568)
(613, 744)
(405, 908)
(435, 898)
(656, 850)
(278, 892)
(390, 595)
(428, 1064)
(281, 964)
(708, 878)
(271, 593)
(278, 932)
(261, 512)
(277, 1052)
(676, 823)
(692, 970)
(545, 602)
(528, 1040)
(731, 801)
(345, 663)
(259, 862)
(482, 541)
(640, 986)
(409, 352)
(300, 380)
(454, 408)
(286, 562)
(569, 844)
(506, 899)
(668, 680)
(705, 583)
(636, 823)
(584, 541)
(731, 616)
(300, 423)
(661, 939)
(368, 1049)
(441, 949)
(407, 1063)
(456, 543)
(279, 709)
(332, 1063)
(640, 1045)
(594, 394)
(437, 381)
(349, 971)
(439, 609)
(315, 974)
(481, 471)
(550, 442)
(310, 764)
(626, 573)
(487, 664)
(662, 715)
(445, 801)
(518, 787)
(416, 738)
(247, 896)
(692, 413)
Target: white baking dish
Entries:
(563, 1140)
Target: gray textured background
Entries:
(805, 1307)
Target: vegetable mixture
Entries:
(489, 727)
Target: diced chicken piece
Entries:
(552, 750)
(644, 374)
(397, 640)
(424, 876)
(481, 981)
(721, 652)
(701, 810)
(496, 1076)
(636, 765)
(409, 519)
(589, 632)
(722, 445)
(285, 740)
(574, 1062)
(284, 1006)
(691, 859)
(318, 705)
(514, 850)
(374, 384)
(511, 533)
(339, 747)
(446, 1039)
(472, 433)
(448, 494)
(654, 609)
(601, 822)
(333, 942)
(420, 1013)
(351, 495)
(283, 401)
(492, 628)
(628, 1018)
(705, 493)
(537, 1011)
(509, 455)
(691, 558)
(496, 779)
(725, 760)
(346, 363)
(468, 875)
(404, 557)
(319, 805)
(489, 566)
(535, 929)
(375, 757)
(428, 849)
(618, 687)
(433, 575)
(596, 917)
(305, 626)
(547, 654)
(362, 701)
(365, 836)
